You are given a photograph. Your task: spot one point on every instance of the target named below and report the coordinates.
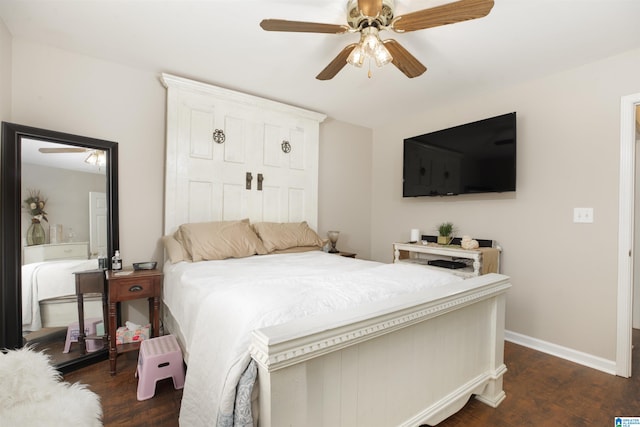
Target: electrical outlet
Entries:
(583, 215)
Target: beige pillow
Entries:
(186, 255)
(280, 236)
(174, 249)
(220, 240)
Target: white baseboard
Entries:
(589, 360)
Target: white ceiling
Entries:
(220, 42)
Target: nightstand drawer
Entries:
(132, 288)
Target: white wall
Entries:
(5, 73)
(564, 275)
(345, 185)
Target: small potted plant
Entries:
(445, 233)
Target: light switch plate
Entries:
(583, 215)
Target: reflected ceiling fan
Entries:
(369, 17)
(45, 150)
(95, 157)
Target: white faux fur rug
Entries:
(32, 394)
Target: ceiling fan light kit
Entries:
(370, 46)
(369, 17)
(96, 157)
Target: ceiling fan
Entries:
(369, 17)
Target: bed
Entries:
(332, 340)
(387, 344)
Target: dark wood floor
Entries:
(120, 406)
(52, 342)
(541, 390)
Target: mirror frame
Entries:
(10, 226)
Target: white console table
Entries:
(55, 251)
(418, 253)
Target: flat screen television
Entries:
(477, 157)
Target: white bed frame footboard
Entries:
(408, 361)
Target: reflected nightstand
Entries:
(90, 282)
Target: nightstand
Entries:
(127, 286)
(472, 262)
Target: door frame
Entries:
(97, 233)
(625, 233)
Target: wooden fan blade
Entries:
(370, 7)
(462, 10)
(402, 59)
(301, 27)
(62, 150)
(337, 64)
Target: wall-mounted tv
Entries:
(478, 157)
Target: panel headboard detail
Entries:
(231, 156)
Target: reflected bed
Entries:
(49, 294)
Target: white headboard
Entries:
(216, 137)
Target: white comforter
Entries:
(45, 280)
(218, 303)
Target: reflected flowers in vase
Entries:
(35, 204)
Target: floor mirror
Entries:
(59, 218)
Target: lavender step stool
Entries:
(159, 358)
(73, 330)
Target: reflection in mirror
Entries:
(64, 228)
(60, 191)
